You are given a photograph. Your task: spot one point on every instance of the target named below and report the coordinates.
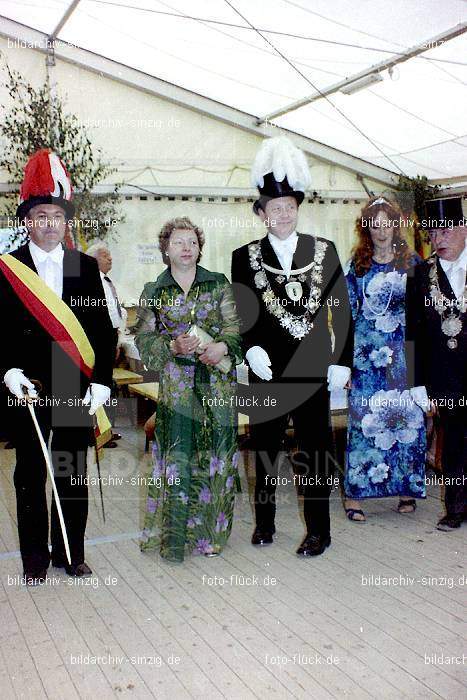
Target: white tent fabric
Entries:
(412, 121)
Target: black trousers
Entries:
(313, 463)
(454, 460)
(69, 447)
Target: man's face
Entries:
(46, 224)
(449, 243)
(104, 260)
(280, 216)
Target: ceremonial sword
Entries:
(96, 448)
(45, 452)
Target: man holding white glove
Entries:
(17, 383)
(64, 350)
(287, 286)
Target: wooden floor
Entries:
(254, 623)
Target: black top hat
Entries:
(272, 189)
(443, 213)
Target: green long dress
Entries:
(190, 499)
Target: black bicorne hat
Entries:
(273, 189)
(280, 169)
(443, 213)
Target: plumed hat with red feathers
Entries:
(46, 181)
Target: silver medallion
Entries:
(452, 343)
(452, 325)
(294, 290)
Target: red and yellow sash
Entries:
(59, 321)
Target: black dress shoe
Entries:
(450, 522)
(78, 570)
(262, 536)
(313, 545)
(60, 562)
(110, 444)
(35, 578)
(116, 436)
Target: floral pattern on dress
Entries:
(386, 438)
(190, 500)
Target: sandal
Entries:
(352, 512)
(411, 502)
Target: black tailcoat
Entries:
(443, 371)
(26, 345)
(299, 368)
(430, 362)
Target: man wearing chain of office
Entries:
(436, 345)
(287, 287)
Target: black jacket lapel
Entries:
(269, 254)
(72, 281)
(23, 254)
(304, 251)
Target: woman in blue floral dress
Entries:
(386, 438)
(191, 490)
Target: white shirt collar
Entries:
(288, 243)
(41, 255)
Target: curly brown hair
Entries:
(363, 250)
(180, 222)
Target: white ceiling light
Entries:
(357, 85)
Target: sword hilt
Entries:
(38, 386)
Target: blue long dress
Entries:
(386, 438)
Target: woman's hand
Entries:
(184, 344)
(213, 353)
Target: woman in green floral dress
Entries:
(191, 490)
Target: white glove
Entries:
(259, 361)
(15, 380)
(96, 395)
(420, 396)
(338, 376)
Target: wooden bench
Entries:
(149, 391)
(124, 377)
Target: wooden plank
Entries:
(19, 664)
(355, 617)
(149, 584)
(88, 678)
(148, 390)
(125, 376)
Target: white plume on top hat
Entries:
(280, 157)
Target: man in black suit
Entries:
(436, 335)
(30, 351)
(286, 286)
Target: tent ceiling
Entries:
(412, 121)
